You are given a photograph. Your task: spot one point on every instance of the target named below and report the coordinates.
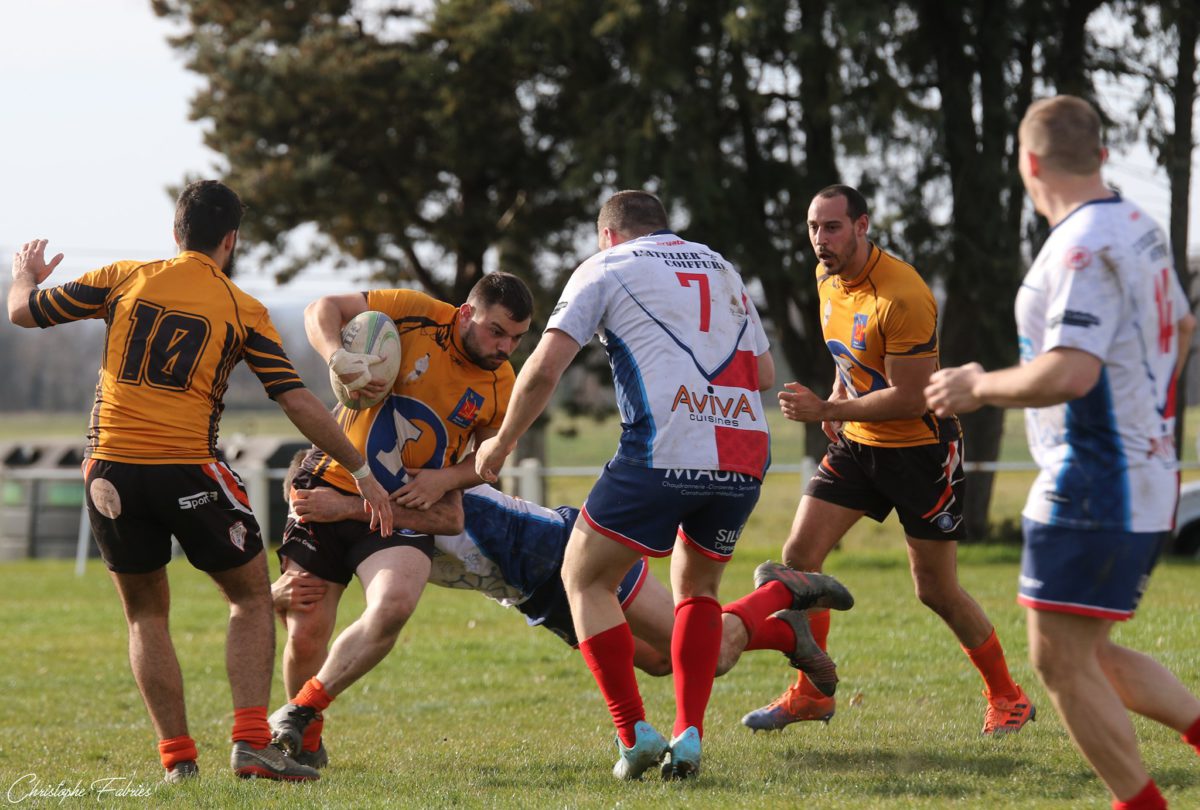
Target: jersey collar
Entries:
(1115, 198)
(203, 258)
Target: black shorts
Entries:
(135, 509)
(924, 484)
(333, 551)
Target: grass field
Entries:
(474, 709)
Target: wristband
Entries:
(362, 472)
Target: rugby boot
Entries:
(314, 759)
(287, 726)
(268, 762)
(180, 772)
(646, 752)
(809, 589)
(807, 656)
(793, 706)
(683, 756)
(1007, 716)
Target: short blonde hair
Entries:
(1064, 133)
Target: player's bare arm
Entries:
(1059, 375)
(309, 416)
(327, 505)
(904, 398)
(531, 393)
(29, 269)
(766, 371)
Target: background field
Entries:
(475, 709)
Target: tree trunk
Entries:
(1179, 171)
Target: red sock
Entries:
(773, 634)
(176, 749)
(1148, 799)
(695, 645)
(1192, 735)
(312, 734)
(609, 655)
(250, 725)
(818, 622)
(988, 658)
(313, 694)
(759, 604)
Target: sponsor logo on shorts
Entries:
(725, 540)
(718, 476)
(946, 522)
(467, 408)
(237, 535)
(708, 406)
(1029, 582)
(858, 337)
(196, 500)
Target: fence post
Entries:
(257, 487)
(529, 480)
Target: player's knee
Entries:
(1051, 662)
(389, 616)
(657, 667)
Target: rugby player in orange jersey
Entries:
(176, 329)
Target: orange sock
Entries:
(1147, 799)
(313, 694)
(818, 622)
(250, 725)
(176, 749)
(988, 658)
(312, 734)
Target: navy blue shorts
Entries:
(1102, 574)
(645, 509)
(547, 606)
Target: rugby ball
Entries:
(374, 333)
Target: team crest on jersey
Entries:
(467, 409)
(237, 535)
(858, 336)
(1077, 258)
(405, 433)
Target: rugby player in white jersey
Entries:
(1103, 330)
(689, 357)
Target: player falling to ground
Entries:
(176, 328)
(1103, 328)
(688, 357)
(888, 452)
(452, 389)
(511, 551)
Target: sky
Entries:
(94, 126)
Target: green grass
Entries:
(475, 709)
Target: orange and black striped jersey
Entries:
(176, 329)
(887, 311)
(438, 401)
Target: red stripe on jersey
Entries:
(742, 372)
(743, 451)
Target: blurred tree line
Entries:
(427, 140)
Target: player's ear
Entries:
(465, 311)
(862, 225)
(229, 241)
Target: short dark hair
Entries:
(506, 290)
(633, 213)
(1064, 132)
(856, 203)
(206, 211)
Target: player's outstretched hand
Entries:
(30, 262)
(489, 458)
(952, 390)
(378, 502)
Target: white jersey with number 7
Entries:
(682, 337)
